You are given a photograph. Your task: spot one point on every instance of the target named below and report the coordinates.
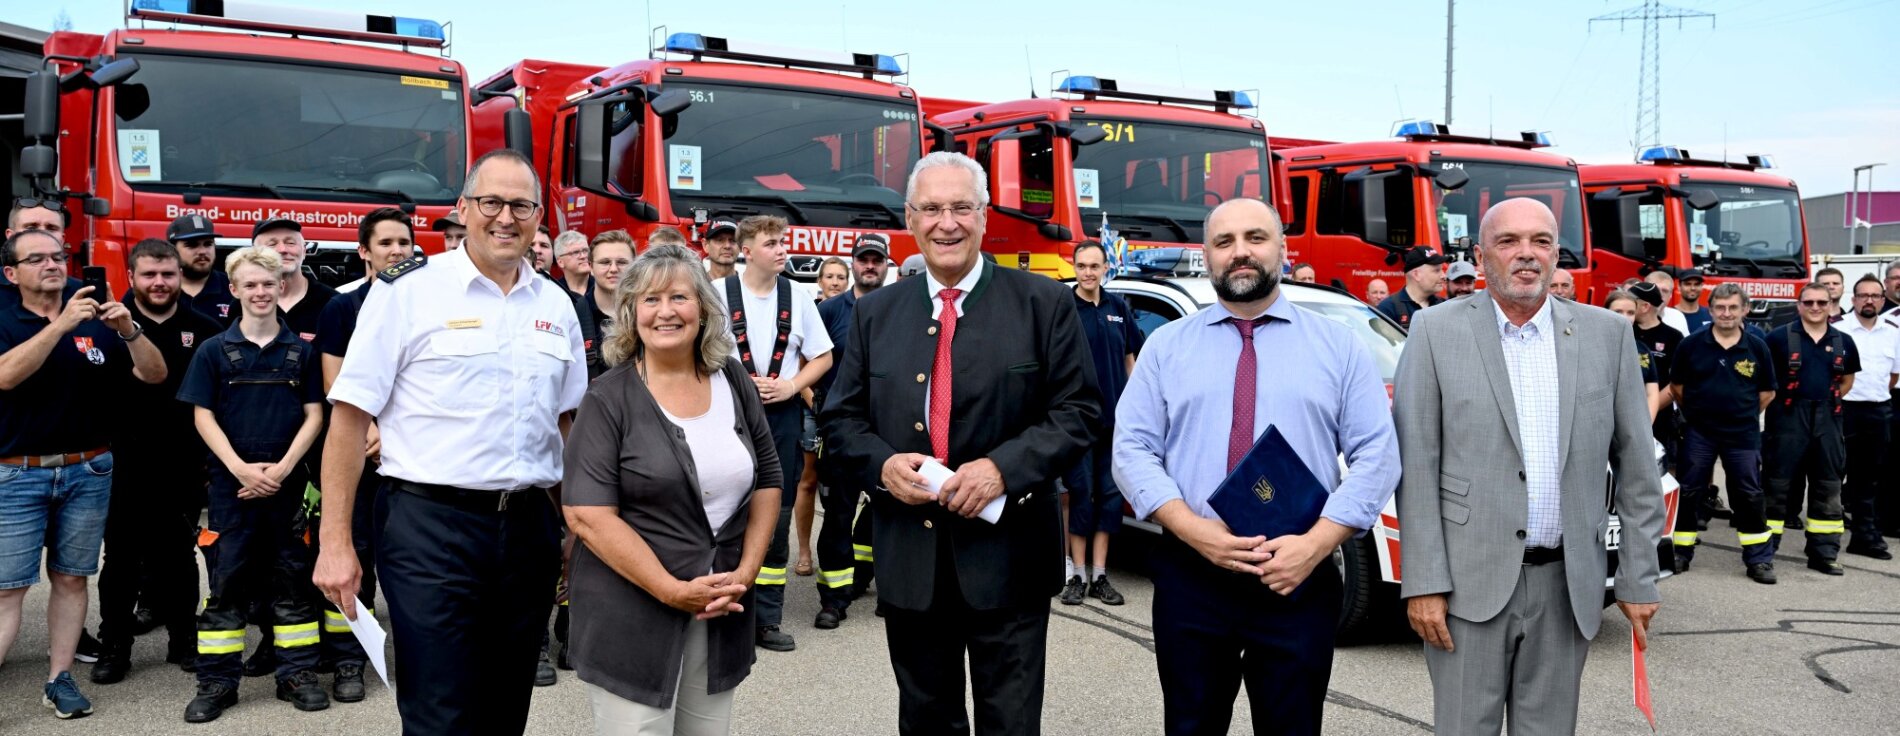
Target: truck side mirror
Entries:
(1370, 188)
(590, 146)
(114, 72)
(517, 128)
(1703, 199)
(1006, 184)
(1088, 135)
(1451, 179)
(671, 102)
(39, 161)
(42, 105)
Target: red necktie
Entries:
(1240, 435)
(940, 371)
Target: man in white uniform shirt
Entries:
(1866, 411)
(471, 366)
(783, 342)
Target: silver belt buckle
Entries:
(52, 461)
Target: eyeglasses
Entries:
(616, 263)
(52, 203)
(962, 210)
(39, 258)
(1870, 296)
(520, 208)
(577, 253)
(1816, 302)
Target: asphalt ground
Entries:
(1811, 655)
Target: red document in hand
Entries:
(1639, 681)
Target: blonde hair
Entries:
(660, 266)
(264, 258)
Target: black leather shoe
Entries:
(1681, 562)
(262, 662)
(560, 657)
(144, 621)
(769, 637)
(348, 685)
(1826, 567)
(1878, 553)
(828, 618)
(304, 691)
(113, 663)
(1795, 524)
(1762, 572)
(1104, 591)
(1074, 591)
(89, 648)
(212, 699)
(1718, 509)
(544, 670)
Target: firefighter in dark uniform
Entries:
(384, 238)
(203, 286)
(1814, 367)
(161, 476)
(1423, 276)
(257, 391)
(1723, 378)
(844, 542)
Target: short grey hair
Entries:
(1892, 266)
(468, 183)
(567, 238)
(979, 180)
(1724, 291)
(655, 268)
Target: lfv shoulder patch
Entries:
(389, 275)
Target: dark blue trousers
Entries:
(1216, 629)
(787, 421)
(468, 591)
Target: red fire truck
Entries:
(142, 124)
(822, 139)
(1357, 206)
(1148, 161)
(1735, 221)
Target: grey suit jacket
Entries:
(1463, 502)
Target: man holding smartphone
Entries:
(56, 352)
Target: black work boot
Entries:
(304, 691)
(114, 661)
(348, 685)
(213, 698)
(263, 661)
(544, 669)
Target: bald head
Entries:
(1518, 249)
(1519, 212)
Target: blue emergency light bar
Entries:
(702, 46)
(1673, 155)
(1427, 130)
(1093, 87)
(1418, 127)
(256, 16)
(1662, 153)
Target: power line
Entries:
(1649, 74)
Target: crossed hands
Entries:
(711, 596)
(1281, 563)
(259, 480)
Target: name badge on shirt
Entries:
(1115, 318)
(542, 325)
(464, 324)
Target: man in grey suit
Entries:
(1502, 495)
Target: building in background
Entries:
(1828, 225)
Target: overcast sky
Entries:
(1798, 80)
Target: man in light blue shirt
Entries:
(1182, 425)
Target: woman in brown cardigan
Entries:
(672, 486)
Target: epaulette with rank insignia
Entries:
(389, 275)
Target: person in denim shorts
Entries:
(61, 354)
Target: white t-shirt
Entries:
(808, 340)
(724, 462)
(1674, 318)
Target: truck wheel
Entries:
(1358, 567)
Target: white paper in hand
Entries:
(370, 633)
(935, 475)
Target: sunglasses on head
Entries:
(55, 204)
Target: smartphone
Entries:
(95, 277)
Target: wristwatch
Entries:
(137, 329)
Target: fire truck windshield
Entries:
(817, 159)
(247, 127)
(1758, 226)
(1460, 210)
(1157, 181)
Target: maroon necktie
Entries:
(940, 371)
(1240, 435)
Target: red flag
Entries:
(1639, 681)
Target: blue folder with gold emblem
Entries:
(1271, 493)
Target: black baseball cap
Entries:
(1690, 274)
(1422, 256)
(452, 219)
(872, 242)
(190, 227)
(278, 223)
(717, 226)
(1647, 292)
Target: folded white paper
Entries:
(370, 633)
(935, 475)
